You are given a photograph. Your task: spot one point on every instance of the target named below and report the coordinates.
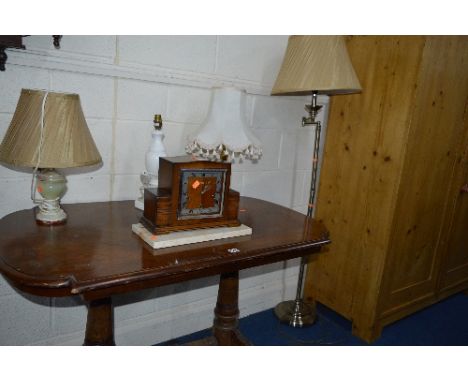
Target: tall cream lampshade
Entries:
(49, 131)
(312, 65)
(316, 63)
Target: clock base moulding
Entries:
(189, 237)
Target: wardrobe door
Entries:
(362, 161)
(437, 126)
(454, 273)
(456, 267)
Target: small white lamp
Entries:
(225, 135)
(156, 150)
(49, 131)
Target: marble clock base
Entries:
(189, 237)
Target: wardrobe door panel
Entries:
(362, 163)
(456, 270)
(455, 263)
(436, 128)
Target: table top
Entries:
(96, 254)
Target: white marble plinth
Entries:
(189, 237)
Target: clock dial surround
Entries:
(201, 193)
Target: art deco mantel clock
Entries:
(191, 194)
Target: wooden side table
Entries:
(96, 255)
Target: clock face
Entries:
(201, 193)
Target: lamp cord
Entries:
(39, 151)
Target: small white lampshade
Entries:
(225, 129)
(316, 64)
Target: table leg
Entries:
(100, 323)
(225, 325)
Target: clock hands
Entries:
(206, 187)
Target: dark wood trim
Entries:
(16, 42)
(57, 39)
(9, 41)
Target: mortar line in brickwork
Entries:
(114, 123)
(216, 55)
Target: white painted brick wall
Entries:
(85, 47)
(136, 100)
(252, 58)
(193, 53)
(122, 82)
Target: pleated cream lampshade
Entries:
(66, 140)
(316, 63)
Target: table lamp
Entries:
(48, 131)
(225, 135)
(156, 150)
(312, 65)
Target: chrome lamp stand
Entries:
(297, 313)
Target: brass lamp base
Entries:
(296, 313)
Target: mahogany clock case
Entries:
(192, 194)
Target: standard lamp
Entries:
(48, 131)
(312, 65)
(225, 135)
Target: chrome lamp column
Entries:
(312, 65)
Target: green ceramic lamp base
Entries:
(52, 186)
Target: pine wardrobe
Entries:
(393, 186)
